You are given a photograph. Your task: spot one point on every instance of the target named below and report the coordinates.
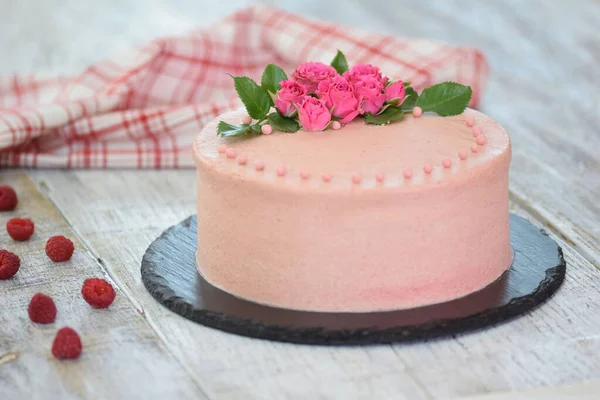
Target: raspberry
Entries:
(67, 344)
(20, 228)
(42, 309)
(98, 293)
(9, 264)
(59, 248)
(8, 198)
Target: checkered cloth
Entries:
(143, 109)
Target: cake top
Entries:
(338, 128)
(419, 151)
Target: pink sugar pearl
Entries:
(246, 119)
(462, 155)
(326, 177)
(417, 112)
(481, 139)
(266, 129)
(379, 177)
(477, 131)
(427, 168)
(336, 125)
(230, 152)
(305, 175)
(259, 165)
(281, 171)
(474, 148)
(470, 121)
(242, 160)
(222, 148)
(446, 162)
(407, 173)
(356, 178)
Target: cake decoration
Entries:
(319, 96)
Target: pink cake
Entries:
(357, 219)
(370, 205)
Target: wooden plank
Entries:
(122, 357)
(120, 213)
(580, 391)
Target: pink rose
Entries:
(370, 93)
(339, 95)
(289, 96)
(310, 74)
(313, 114)
(395, 91)
(363, 71)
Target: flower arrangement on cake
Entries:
(319, 96)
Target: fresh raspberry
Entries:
(59, 248)
(8, 198)
(98, 293)
(20, 229)
(42, 309)
(67, 344)
(9, 264)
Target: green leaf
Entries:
(339, 63)
(410, 99)
(283, 124)
(227, 129)
(256, 99)
(256, 128)
(390, 114)
(271, 78)
(445, 99)
(406, 84)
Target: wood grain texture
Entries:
(554, 345)
(122, 355)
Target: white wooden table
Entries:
(544, 87)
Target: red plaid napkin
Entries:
(142, 110)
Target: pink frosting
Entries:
(230, 152)
(347, 247)
(266, 129)
(304, 175)
(481, 139)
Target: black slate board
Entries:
(169, 274)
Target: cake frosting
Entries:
(356, 219)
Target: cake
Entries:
(353, 216)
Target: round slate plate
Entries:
(169, 273)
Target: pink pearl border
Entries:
(479, 140)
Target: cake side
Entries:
(272, 229)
